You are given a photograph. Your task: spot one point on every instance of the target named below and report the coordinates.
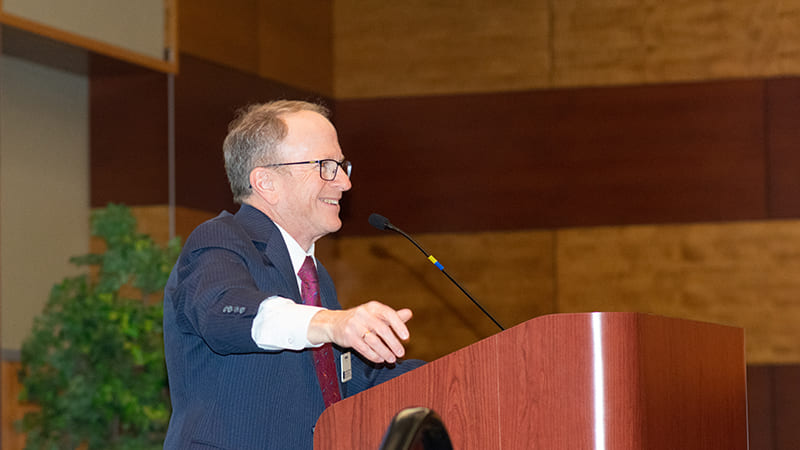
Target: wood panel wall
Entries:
(782, 120)
(568, 157)
(735, 273)
(290, 42)
(694, 152)
(773, 396)
(12, 409)
(128, 133)
(741, 274)
(390, 49)
(715, 153)
(556, 156)
(206, 99)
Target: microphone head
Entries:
(379, 222)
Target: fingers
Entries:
(383, 338)
(404, 314)
(375, 331)
(376, 350)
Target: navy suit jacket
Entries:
(226, 392)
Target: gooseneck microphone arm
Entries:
(382, 223)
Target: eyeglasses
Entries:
(328, 168)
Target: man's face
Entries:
(309, 206)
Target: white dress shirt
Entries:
(282, 324)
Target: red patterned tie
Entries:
(323, 356)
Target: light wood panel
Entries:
(510, 274)
(221, 31)
(296, 43)
(739, 273)
(154, 220)
(360, 49)
(742, 274)
(636, 41)
(419, 47)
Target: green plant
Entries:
(94, 361)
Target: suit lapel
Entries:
(266, 237)
(278, 255)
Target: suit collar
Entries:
(268, 239)
(258, 225)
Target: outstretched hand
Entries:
(373, 329)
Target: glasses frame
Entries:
(344, 164)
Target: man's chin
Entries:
(334, 225)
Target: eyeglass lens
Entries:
(328, 168)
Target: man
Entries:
(248, 350)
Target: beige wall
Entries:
(139, 26)
(44, 184)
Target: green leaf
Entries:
(94, 361)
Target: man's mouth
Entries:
(330, 201)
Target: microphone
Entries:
(382, 223)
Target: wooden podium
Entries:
(570, 381)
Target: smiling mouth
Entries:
(330, 201)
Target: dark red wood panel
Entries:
(570, 157)
(206, 99)
(786, 397)
(783, 146)
(760, 407)
(128, 133)
(712, 151)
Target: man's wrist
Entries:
(320, 326)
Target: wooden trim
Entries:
(12, 409)
(171, 32)
(88, 43)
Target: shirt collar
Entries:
(296, 252)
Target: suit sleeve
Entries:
(367, 374)
(215, 295)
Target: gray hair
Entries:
(254, 137)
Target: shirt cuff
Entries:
(282, 324)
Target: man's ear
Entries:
(262, 181)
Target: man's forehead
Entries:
(308, 132)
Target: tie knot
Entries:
(308, 271)
(309, 286)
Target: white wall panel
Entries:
(138, 25)
(44, 186)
